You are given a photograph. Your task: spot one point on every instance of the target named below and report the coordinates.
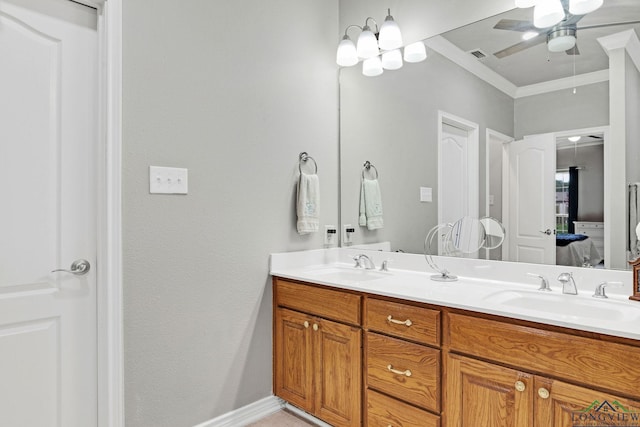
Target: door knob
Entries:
(79, 267)
(548, 232)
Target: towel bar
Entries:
(304, 157)
(367, 167)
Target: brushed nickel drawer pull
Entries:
(543, 393)
(520, 386)
(406, 373)
(407, 322)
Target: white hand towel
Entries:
(370, 205)
(308, 204)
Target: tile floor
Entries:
(281, 419)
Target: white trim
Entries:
(627, 40)
(450, 51)
(109, 278)
(247, 414)
(300, 413)
(505, 139)
(564, 83)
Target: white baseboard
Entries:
(306, 416)
(247, 414)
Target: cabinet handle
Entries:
(306, 324)
(543, 393)
(520, 386)
(315, 326)
(395, 371)
(407, 322)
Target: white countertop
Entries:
(491, 287)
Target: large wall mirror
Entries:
(488, 125)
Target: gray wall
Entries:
(591, 179)
(562, 110)
(632, 100)
(392, 121)
(233, 91)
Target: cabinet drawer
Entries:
(589, 361)
(384, 411)
(403, 320)
(327, 303)
(408, 371)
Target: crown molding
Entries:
(564, 83)
(627, 40)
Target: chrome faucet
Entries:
(568, 284)
(600, 293)
(544, 283)
(363, 259)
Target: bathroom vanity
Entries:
(395, 349)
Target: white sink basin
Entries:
(347, 274)
(566, 306)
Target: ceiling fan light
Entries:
(582, 7)
(392, 60)
(415, 52)
(525, 3)
(574, 138)
(372, 67)
(561, 43)
(390, 36)
(547, 13)
(346, 55)
(367, 45)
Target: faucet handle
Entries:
(600, 293)
(544, 283)
(385, 265)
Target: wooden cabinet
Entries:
(317, 361)
(423, 365)
(403, 375)
(482, 393)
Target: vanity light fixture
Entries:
(547, 13)
(415, 52)
(379, 50)
(392, 60)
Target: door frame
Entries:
(490, 135)
(110, 363)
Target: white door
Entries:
(531, 233)
(458, 170)
(48, 144)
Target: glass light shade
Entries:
(346, 55)
(574, 138)
(582, 7)
(547, 13)
(392, 60)
(390, 36)
(561, 43)
(367, 45)
(415, 52)
(372, 67)
(525, 3)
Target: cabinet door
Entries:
(293, 370)
(338, 355)
(559, 404)
(483, 394)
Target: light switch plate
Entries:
(163, 180)
(426, 194)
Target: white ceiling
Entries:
(535, 64)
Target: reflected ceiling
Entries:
(536, 64)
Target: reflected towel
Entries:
(370, 205)
(308, 204)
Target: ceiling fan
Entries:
(559, 37)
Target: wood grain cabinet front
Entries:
(317, 362)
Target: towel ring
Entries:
(304, 157)
(367, 167)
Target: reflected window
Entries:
(562, 202)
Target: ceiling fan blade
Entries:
(515, 25)
(612, 24)
(519, 47)
(573, 51)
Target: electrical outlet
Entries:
(426, 194)
(330, 235)
(349, 231)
